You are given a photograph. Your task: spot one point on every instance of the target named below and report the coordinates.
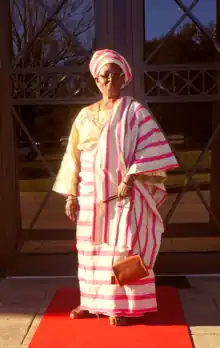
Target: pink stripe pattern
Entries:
(130, 142)
(153, 144)
(121, 312)
(119, 297)
(134, 117)
(148, 135)
(155, 158)
(145, 120)
(103, 282)
(106, 56)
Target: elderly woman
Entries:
(115, 148)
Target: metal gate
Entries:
(45, 72)
(49, 69)
(179, 85)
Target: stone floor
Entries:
(23, 301)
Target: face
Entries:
(110, 80)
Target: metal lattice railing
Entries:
(182, 83)
(185, 83)
(55, 85)
(190, 183)
(56, 81)
(170, 83)
(52, 66)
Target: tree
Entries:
(41, 41)
(186, 46)
(38, 39)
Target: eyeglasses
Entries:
(107, 75)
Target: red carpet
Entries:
(165, 329)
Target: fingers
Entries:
(121, 193)
(124, 191)
(70, 211)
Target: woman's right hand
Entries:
(71, 208)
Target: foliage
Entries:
(38, 40)
(41, 41)
(186, 46)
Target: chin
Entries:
(113, 95)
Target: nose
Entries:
(111, 76)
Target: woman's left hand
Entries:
(124, 190)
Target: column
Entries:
(215, 166)
(120, 26)
(10, 225)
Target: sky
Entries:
(161, 15)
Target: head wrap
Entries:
(102, 57)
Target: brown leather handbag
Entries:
(131, 269)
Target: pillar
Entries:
(215, 166)
(119, 25)
(10, 225)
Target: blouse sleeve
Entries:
(66, 182)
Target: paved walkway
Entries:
(22, 303)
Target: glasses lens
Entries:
(107, 75)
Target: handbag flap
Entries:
(129, 270)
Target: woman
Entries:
(115, 148)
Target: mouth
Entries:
(111, 87)
(112, 92)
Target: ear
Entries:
(97, 81)
(123, 83)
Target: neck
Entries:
(109, 100)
